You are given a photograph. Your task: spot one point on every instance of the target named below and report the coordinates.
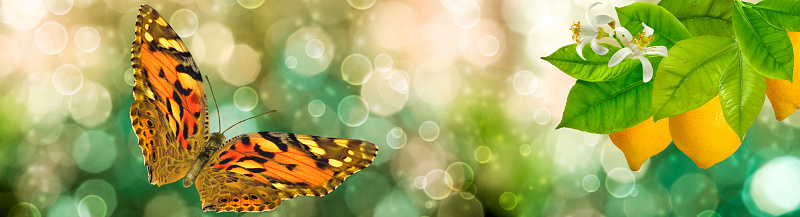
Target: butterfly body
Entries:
(249, 172)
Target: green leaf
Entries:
(782, 14)
(607, 107)
(703, 17)
(689, 77)
(594, 68)
(741, 92)
(767, 49)
(668, 29)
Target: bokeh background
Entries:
(453, 92)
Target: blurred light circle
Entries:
(396, 138)
(542, 115)
(129, 79)
(774, 187)
(419, 182)
(47, 193)
(591, 183)
(11, 56)
(429, 131)
(58, 7)
(315, 48)
(316, 108)
(353, 111)
(469, 192)
(382, 98)
(245, 98)
(460, 207)
(7, 14)
(635, 192)
(399, 80)
(436, 184)
(51, 38)
(184, 22)
(648, 201)
(92, 205)
(525, 82)
(92, 153)
(165, 205)
(429, 204)
(508, 200)
(387, 30)
(483, 154)
(517, 15)
(709, 213)
(461, 176)
(241, 66)
(590, 139)
(291, 62)
(67, 79)
(212, 40)
(383, 63)
(63, 206)
(100, 188)
(250, 4)
(24, 209)
(525, 149)
(488, 45)
(361, 4)
(91, 105)
(620, 182)
(87, 39)
(356, 69)
(397, 204)
(692, 194)
(553, 11)
(365, 190)
(466, 13)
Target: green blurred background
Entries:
(452, 91)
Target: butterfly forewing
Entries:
(272, 166)
(170, 113)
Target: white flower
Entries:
(584, 34)
(636, 48)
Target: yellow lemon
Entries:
(642, 141)
(703, 135)
(783, 94)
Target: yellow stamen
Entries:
(576, 30)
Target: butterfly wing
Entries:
(255, 171)
(170, 111)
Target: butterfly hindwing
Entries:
(255, 171)
(170, 111)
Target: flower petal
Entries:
(619, 56)
(588, 31)
(647, 69)
(597, 48)
(647, 30)
(658, 50)
(589, 9)
(579, 48)
(625, 34)
(601, 20)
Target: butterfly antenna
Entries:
(223, 132)
(219, 122)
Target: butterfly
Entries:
(249, 172)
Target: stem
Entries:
(618, 41)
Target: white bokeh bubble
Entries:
(361, 4)
(591, 183)
(7, 14)
(525, 149)
(488, 45)
(383, 63)
(87, 39)
(396, 138)
(59, 7)
(67, 79)
(291, 62)
(51, 38)
(466, 13)
(483, 154)
(525, 82)
(315, 48)
(620, 182)
(250, 4)
(241, 66)
(316, 108)
(590, 139)
(436, 185)
(353, 111)
(245, 98)
(356, 69)
(399, 81)
(184, 22)
(774, 186)
(129, 79)
(542, 115)
(429, 131)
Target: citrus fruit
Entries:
(782, 94)
(703, 135)
(642, 141)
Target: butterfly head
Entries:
(215, 139)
